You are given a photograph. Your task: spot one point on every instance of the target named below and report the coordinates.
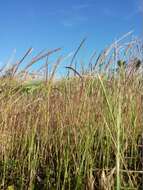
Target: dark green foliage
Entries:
(121, 63)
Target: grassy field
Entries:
(79, 132)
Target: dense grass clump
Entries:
(80, 132)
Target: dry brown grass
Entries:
(72, 133)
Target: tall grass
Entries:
(81, 132)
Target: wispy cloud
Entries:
(81, 6)
(70, 10)
(72, 16)
(130, 15)
(136, 11)
(67, 23)
(106, 11)
(140, 6)
(74, 21)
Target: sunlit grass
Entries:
(79, 132)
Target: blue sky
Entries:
(64, 23)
